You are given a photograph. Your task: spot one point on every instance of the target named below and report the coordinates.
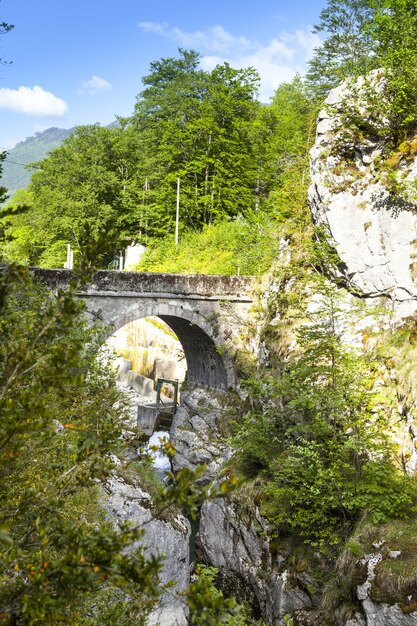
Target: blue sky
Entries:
(81, 62)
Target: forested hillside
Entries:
(313, 495)
(31, 150)
(234, 159)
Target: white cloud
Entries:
(94, 85)
(213, 39)
(155, 27)
(32, 101)
(277, 60)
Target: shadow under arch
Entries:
(207, 365)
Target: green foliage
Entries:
(84, 190)
(368, 34)
(348, 49)
(3, 190)
(393, 30)
(318, 434)
(183, 491)
(208, 606)
(195, 126)
(22, 246)
(281, 135)
(288, 154)
(58, 426)
(228, 247)
(399, 349)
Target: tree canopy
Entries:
(195, 125)
(58, 426)
(231, 154)
(348, 49)
(393, 30)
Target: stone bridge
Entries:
(207, 313)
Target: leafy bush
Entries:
(58, 426)
(227, 248)
(318, 435)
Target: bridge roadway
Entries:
(207, 313)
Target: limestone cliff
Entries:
(363, 191)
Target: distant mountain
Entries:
(15, 175)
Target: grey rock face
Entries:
(195, 435)
(161, 538)
(224, 540)
(241, 554)
(380, 613)
(373, 232)
(358, 620)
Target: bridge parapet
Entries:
(199, 286)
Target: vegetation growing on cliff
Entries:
(367, 34)
(318, 433)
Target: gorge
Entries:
(373, 234)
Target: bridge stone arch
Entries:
(205, 312)
(207, 364)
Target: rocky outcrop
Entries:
(196, 432)
(373, 229)
(126, 500)
(168, 539)
(237, 547)
(240, 550)
(381, 613)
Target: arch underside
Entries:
(207, 365)
(204, 363)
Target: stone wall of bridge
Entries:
(207, 313)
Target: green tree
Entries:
(348, 49)
(169, 102)
(393, 32)
(195, 126)
(319, 435)
(280, 136)
(58, 426)
(19, 241)
(3, 190)
(86, 187)
(287, 155)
